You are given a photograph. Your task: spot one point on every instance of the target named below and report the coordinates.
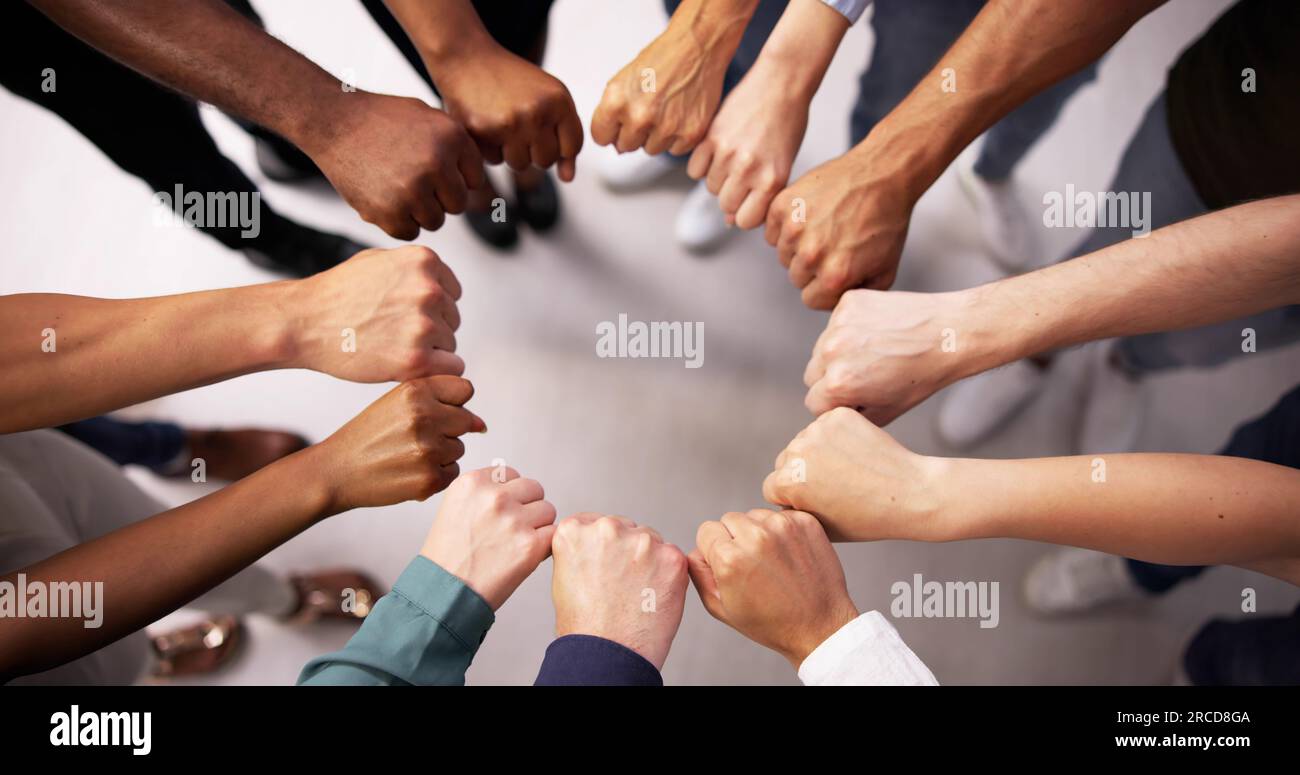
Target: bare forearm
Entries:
(153, 567)
(715, 25)
(443, 31)
(206, 50)
(71, 357)
(1175, 509)
(1013, 50)
(1221, 266)
(801, 47)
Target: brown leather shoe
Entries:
(334, 594)
(198, 649)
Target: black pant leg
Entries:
(517, 25)
(147, 130)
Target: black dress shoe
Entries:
(300, 251)
(502, 234)
(540, 207)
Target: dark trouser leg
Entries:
(148, 131)
(910, 37)
(1251, 652)
(519, 26)
(151, 444)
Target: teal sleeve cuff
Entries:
(426, 631)
(444, 597)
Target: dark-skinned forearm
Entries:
(156, 566)
(206, 50)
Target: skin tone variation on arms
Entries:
(618, 581)
(774, 577)
(1165, 508)
(514, 110)
(843, 224)
(665, 98)
(402, 447)
(398, 305)
(752, 142)
(398, 162)
(883, 353)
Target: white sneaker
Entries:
(1071, 581)
(1004, 224)
(1113, 406)
(632, 171)
(977, 406)
(701, 226)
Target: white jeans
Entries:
(56, 493)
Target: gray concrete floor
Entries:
(666, 445)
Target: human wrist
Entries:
(310, 472)
(899, 157)
(296, 308)
(800, 49)
(959, 486)
(445, 56)
(813, 634)
(639, 642)
(318, 115)
(1009, 321)
(989, 332)
(264, 333)
(715, 27)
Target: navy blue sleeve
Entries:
(585, 660)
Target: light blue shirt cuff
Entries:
(852, 9)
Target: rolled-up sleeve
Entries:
(426, 631)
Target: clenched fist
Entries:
(514, 110)
(751, 145)
(403, 446)
(492, 530)
(618, 581)
(885, 352)
(380, 316)
(664, 99)
(399, 163)
(838, 228)
(860, 483)
(774, 577)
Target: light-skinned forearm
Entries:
(204, 49)
(1166, 508)
(1220, 266)
(1013, 50)
(71, 357)
(155, 566)
(801, 47)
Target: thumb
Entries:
(705, 584)
(772, 490)
(545, 535)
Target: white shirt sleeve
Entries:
(852, 9)
(865, 652)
